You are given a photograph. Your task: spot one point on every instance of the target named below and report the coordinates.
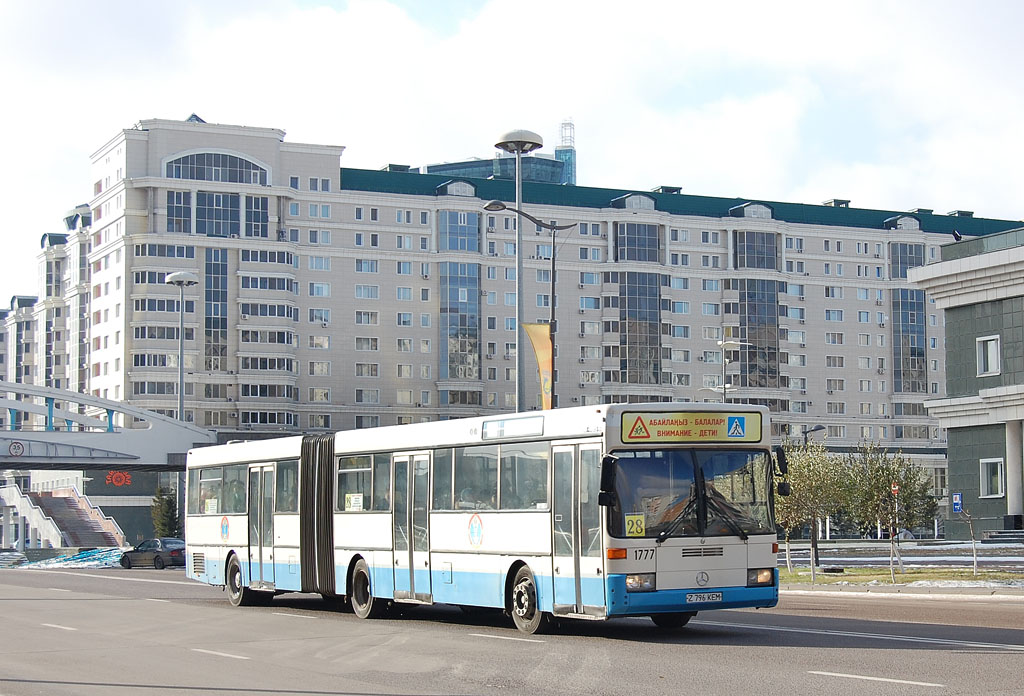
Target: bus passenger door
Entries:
(578, 561)
(566, 574)
(591, 555)
(411, 538)
(261, 526)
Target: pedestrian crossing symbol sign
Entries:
(737, 427)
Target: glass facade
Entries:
(458, 230)
(756, 250)
(216, 315)
(636, 242)
(460, 320)
(908, 337)
(214, 166)
(758, 314)
(217, 214)
(904, 256)
(640, 328)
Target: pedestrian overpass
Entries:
(55, 429)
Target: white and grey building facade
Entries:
(332, 298)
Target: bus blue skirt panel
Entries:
(622, 603)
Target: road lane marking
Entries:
(878, 679)
(220, 654)
(873, 636)
(297, 616)
(522, 640)
(63, 628)
(153, 599)
(111, 577)
(57, 589)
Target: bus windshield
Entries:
(695, 492)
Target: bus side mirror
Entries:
(784, 488)
(606, 499)
(608, 462)
(781, 463)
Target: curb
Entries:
(1001, 594)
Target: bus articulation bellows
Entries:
(595, 512)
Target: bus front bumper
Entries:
(623, 603)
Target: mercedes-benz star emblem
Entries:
(702, 578)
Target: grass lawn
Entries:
(880, 574)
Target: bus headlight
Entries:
(760, 576)
(640, 582)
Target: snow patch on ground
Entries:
(94, 558)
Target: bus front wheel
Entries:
(238, 594)
(363, 603)
(673, 620)
(526, 613)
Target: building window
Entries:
(988, 355)
(991, 473)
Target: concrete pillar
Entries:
(33, 538)
(1014, 471)
(6, 533)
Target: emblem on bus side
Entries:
(476, 531)
(224, 528)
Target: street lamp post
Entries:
(519, 142)
(181, 279)
(807, 431)
(495, 206)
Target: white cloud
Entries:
(892, 105)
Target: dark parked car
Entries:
(158, 553)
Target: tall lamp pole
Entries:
(496, 206)
(181, 279)
(807, 431)
(519, 142)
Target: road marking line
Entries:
(110, 577)
(878, 679)
(153, 599)
(220, 654)
(875, 636)
(297, 616)
(57, 589)
(63, 628)
(522, 640)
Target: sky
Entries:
(892, 105)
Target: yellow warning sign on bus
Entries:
(647, 427)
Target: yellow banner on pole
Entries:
(540, 339)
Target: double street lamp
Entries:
(519, 143)
(497, 206)
(181, 279)
(726, 346)
(807, 431)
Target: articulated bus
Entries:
(594, 512)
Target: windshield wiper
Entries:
(683, 515)
(714, 503)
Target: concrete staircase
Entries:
(78, 527)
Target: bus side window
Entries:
(210, 487)
(287, 499)
(476, 477)
(354, 483)
(442, 497)
(234, 489)
(381, 482)
(524, 476)
(193, 492)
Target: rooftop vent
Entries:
(961, 213)
(922, 211)
(667, 189)
(837, 203)
(395, 168)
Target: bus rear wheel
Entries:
(364, 605)
(238, 594)
(526, 613)
(673, 620)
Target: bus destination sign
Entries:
(657, 426)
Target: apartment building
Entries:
(332, 298)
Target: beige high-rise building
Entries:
(332, 298)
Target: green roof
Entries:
(416, 184)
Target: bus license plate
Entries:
(697, 597)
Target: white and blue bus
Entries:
(658, 510)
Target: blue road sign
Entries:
(958, 502)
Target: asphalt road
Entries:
(117, 632)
